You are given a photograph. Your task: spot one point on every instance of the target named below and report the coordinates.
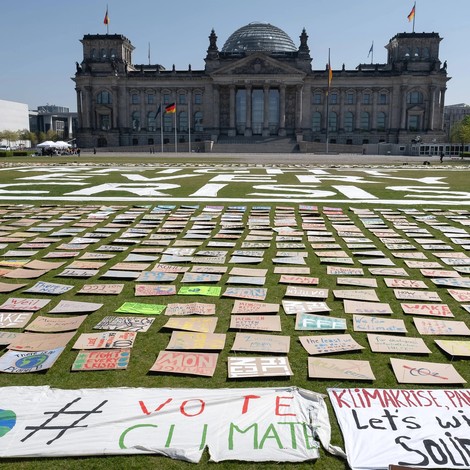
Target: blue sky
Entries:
(41, 39)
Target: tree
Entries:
(10, 136)
(460, 132)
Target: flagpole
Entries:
(149, 53)
(161, 124)
(107, 20)
(414, 17)
(189, 123)
(176, 133)
(328, 104)
(372, 52)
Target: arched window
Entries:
(93, 53)
(365, 121)
(333, 122)
(415, 97)
(112, 53)
(198, 127)
(135, 117)
(183, 121)
(381, 121)
(316, 122)
(152, 121)
(348, 122)
(104, 53)
(104, 97)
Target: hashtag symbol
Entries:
(63, 429)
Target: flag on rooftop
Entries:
(412, 13)
(106, 17)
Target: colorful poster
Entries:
(111, 359)
(419, 372)
(309, 322)
(105, 340)
(252, 293)
(192, 308)
(196, 341)
(433, 310)
(148, 290)
(256, 322)
(140, 308)
(243, 306)
(16, 362)
(210, 291)
(114, 323)
(427, 326)
(48, 288)
(201, 325)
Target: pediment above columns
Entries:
(257, 65)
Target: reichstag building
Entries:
(260, 84)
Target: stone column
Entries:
(79, 107)
(440, 124)
(232, 131)
(298, 109)
(248, 130)
(87, 121)
(403, 90)
(357, 114)
(432, 107)
(216, 122)
(114, 107)
(266, 110)
(373, 117)
(282, 111)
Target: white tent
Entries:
(60, 144)
(45, 144)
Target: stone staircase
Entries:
(255, 144)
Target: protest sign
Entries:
(18, 362)
(326, 368)
(187, 363)
(253, 342)
(111, 359)
(114, 323)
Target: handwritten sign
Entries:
(24, 305)
(193, 308)
(105, 340)
(156, 276)
(253, 342)
(244, 306)
(460, 295)
(115, 323)
(188, 363)
(342, 271)
(255, 322)
(258, 293)
(210, 291)
(70, 306)
(202, 325)
(329, 344)
(368, 295)
(48, 288)
(427, 326)
(53, 324)
(418, 372)
(292, 307)
(434, 310)
(378, 324)
(307, 322)
(246, 367)
(16, 362)
(397, 344)
(405, 283)
(32, 342)
(140, 308)
(405, 294)
(143, 290)
(14, 319)
(91, 360)
(296, 291)
(326, 368)
(196, 341)
(101, 289)
(454, 348)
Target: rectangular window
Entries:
(383, 98)
(334, 98)
(350, 98)
(198, 98)
(166, 98)
(366, 98)
(150, 99)
(317, 98)
(181, 99)
(135, 98)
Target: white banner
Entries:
(259, 424)
(423, 428)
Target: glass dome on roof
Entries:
(259, 37)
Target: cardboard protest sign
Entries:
(368, 295)
(54, 324)
(14, 319)
(115, 323)
(140, 308)
(183, 340)
(188, 363)
(388, 272)
(193, 308)
(405, 294)
(356, 281)
(6, 287)
(326, 368)
(244, 306)
(70, 306)
(142, 290)
(24, 305)
(168, 268)
(290, 279)
(22, 273)
(289, 270)
(329, 344)
(418, 372)
(44, 265)
(48, 288)
(427, 326)
(80, 273)
(258, 293)
(101, 289)
(292, 307)
(261, 343)
(341, 271)
(200, 325)
(18, 362)
(210, 291)
(209, 269)
(378, 324)
(106, 340)
(6, 337)
(310, 292)
(248, 367)
(248, 272)
(405, 283)
(434, 310)
(309, 322)
(419, 436)
(200, 277)
(256, 322)
(397, 344)
(111, 359)
(439, 273)
(32, 342)
(460, 295)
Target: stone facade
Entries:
(266, 92)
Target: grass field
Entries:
(447, 198)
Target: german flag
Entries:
(171, 108)
(106, 17)
(412, 13)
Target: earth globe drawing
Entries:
(7, 421)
